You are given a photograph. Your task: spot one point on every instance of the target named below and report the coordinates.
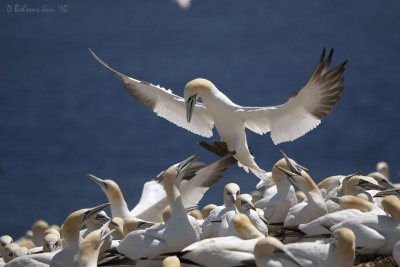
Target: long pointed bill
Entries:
(287, 256)
(98, 181)
(389, 192)
(94, 210)
(190, 103)
(370, 186)
(294, 166)
(186, 163)
(335, 199)
(248, 205)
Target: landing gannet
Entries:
(211, 224)
(303, 111)
(179, 231)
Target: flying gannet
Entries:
(303, 111)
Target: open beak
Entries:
(290, 174)
(190, 103)
(94, 210)
(287, 256)
(294, 167)
(186, 163)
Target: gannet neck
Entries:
(345, 245)
(278, 176)
(70, 228)
(89, 249)
(391, 204)
(231, 192)
(245, 228)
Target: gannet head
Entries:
(171, 261)
(361, 183)
(193, 89)
(9, 251)
(74, 221)
(352, 202)
(245, 228)
(110, 188)
(168, 177)
(244, 202)
(207, 209)
(52, 242)
(383, 168)
(345, 244)
(231, 192)
(270, 246)
(4, 241)
(391, 204)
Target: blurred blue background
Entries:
(62, 115)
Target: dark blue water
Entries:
(63, 116)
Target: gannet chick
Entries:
(119, 208)
(90, 247)
(211, 225)
(303, 111)
(207, 209)
(245, 205)
(71, 235)
(270, 251)
(277, 206)
(179, 231)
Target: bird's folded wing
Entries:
(304, 110)
(166, 104)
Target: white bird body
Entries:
(245, 206)
(300, 114)
(211, 225)
(179, 231)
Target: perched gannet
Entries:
(211, 225)
(277, 206)
(9, 251)
(351, 207)
(179, 231)
(381, 179)
(245, 205)
(223, 251)
(361, 186)
(376, 234)
(89, 249)
(338, 253)
(52, 242)
(308, 210)
(4, 241)
(383, 168)
(71, 235)
(301, 113)
(38, 229)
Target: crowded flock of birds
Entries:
(294, 222)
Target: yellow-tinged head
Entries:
(194, 89)
(345, 244)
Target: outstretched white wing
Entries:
(166, 104)
(304, 110)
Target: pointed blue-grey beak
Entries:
(190, 103)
